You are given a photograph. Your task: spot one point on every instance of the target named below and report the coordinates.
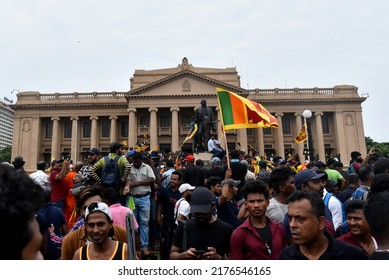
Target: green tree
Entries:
(382, 148)
(5, 154)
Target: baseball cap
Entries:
(98, 207)
(56, 161)
(201, 201)
(230, 182)
(94, 151)
(215, 160)
(306, 175)
(154, 154)
(185, 187)
(320, 164)
(190, 158)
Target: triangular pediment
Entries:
(184, 83)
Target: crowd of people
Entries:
(241, 207)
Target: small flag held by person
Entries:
(302, 136)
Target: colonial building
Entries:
(160, 106)
(6, 123)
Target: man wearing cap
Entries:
(115, 150)
(18, 163)
(99, 230)
(60, 190)
(83, 174)
(334, 177)
(309, 179)
(182, 206)
(227, 208)
(216, 170)
(192, 174)
(207, 237)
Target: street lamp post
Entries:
(307, 114)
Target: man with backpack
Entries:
(114, 170)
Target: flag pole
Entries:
(226, 147)
(306, 131)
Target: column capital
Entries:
(174, 109)
(298, 114)
(55, 118)
(153, 109)
(133, 110)
(74, 118)
(113, 117)
(279, 114)
(93, 118)
(319, 113)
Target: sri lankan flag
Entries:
(239, 112)
(191, 133)
(302, 136)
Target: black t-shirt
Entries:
(215, 171)
(200, 236)
(167, 207)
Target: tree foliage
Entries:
(5, 154)
(383, 147)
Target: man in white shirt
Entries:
(214, 147)
(40, 177)
(182, 207)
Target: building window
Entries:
(105, 128)
(49, 130)
(144, 121)
(267, 131)
(86, 129)
(123, 128)
(67, 129)
(186, 120)
(164, 121)
(286, 125)
(325, 124)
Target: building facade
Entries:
(160, 106)
(6, 124)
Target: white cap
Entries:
(185, 187)
(99, 207)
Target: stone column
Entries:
(340, 136)
(153, 127)
(300, 147)
(113, 133)
(319, 136)
(280, 137)
(55, 139)
(260, 142)
(94, 136)
(132, 127)
(74, 143)
(175, 129)
(242, 139)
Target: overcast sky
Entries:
(84, 45)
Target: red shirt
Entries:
(60, 187)
(247, 244)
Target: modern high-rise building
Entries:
(160, 105)
(6, 124)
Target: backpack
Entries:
(110, 176)
(351, 169)
(344, 227)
